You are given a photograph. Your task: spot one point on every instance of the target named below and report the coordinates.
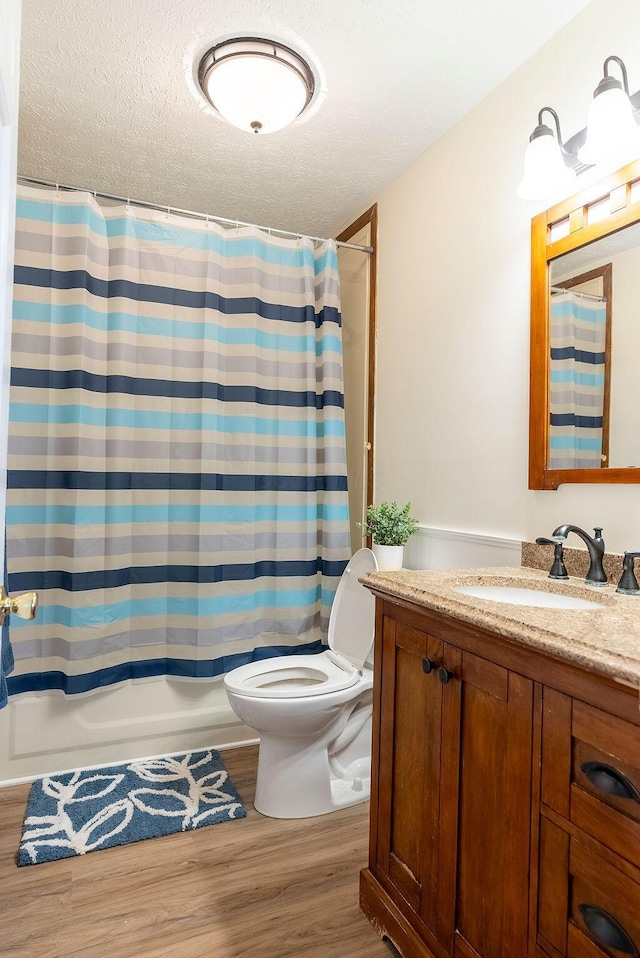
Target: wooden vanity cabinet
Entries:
(452, 807)
(487, 840)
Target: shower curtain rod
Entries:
(192, 213)
(577, 292)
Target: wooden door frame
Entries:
(369, 218)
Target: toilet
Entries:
(313, 712)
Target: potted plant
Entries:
(390, 526)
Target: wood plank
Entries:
(606, 732)
(391, 921)
(370, 218)
(486, 676)
(495, 816)
(259, 886)
(536, 770)
(582, 947)
(517, 835)
(620, 833)
(553, 889)
(448, 800)
(556, 751)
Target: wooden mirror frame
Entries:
(622, 189)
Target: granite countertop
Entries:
(604, 640)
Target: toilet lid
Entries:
(352, 620)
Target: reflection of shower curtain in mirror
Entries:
(578, 340)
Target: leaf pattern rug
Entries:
(78, 812)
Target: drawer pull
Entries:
(445, 676)
(607, 930)
(428, 666)
(610, 780)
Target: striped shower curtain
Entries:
(177, 482)
(577, 373)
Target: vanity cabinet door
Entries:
(454, 799)
(408, 813)
(494, 806)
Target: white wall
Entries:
(453, 311)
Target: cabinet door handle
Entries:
(610, 780)
(428, 665)
(607, 930)
(445, 676)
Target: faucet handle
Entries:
(628, 583)
(558, 569)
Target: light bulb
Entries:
(545, 172)
(613, 136)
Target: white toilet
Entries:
(313, 712)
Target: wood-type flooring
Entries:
(257, 887)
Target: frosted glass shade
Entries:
(613, 136)
(258, 86)
(545, 172)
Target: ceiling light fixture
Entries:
(611, 139)
(257, 85)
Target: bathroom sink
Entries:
(531, 597)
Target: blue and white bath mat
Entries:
(79, 812)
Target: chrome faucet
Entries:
(595, 546)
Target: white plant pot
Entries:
(389, 558)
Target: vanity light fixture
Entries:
(547, 165)
(611, 139)
(257, 85)
(613, 136)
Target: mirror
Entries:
(585, 336)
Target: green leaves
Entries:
(389, 524)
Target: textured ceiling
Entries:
(108, 99)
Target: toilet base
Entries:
(295, 782)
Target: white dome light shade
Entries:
(613, 136)
(257, 85)
(545, 172)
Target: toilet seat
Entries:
(296, 677)
(351, 628)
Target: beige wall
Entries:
(453, 310)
